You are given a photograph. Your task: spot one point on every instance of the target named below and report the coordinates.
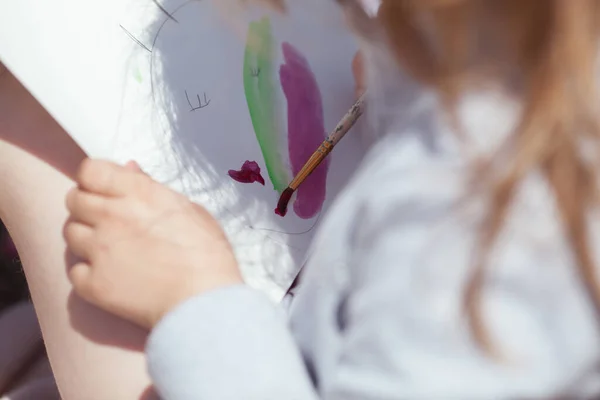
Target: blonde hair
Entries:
(547, 50)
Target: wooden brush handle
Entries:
(312, 163)
(325, 148)
(347, 122)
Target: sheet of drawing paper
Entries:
(223, 107)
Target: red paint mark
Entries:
(249, 173)
(306, 130)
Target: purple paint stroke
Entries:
(306, 129)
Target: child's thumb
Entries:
(134, 166)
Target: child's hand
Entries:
(144, 248)
(358, 70)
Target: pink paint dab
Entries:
(249, 173)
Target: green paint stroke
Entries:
(260, 88)
(137, 75)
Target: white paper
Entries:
(128, 81)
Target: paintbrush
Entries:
(322, 152)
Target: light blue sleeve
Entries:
(403, 335)
(228, 344)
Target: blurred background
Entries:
(13, 287)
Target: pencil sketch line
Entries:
(289, 233)
(200, 105)
(135, 39)
(168, 14)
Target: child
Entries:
(460, 262)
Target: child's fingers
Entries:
(79, 238)
(358, 71)
(86, 207)
(107, 178)
(134, 166)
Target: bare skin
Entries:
(358, 71)
(94, 355)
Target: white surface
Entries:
(121, 101)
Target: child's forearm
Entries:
(93, 354)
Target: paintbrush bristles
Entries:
(283, 202)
